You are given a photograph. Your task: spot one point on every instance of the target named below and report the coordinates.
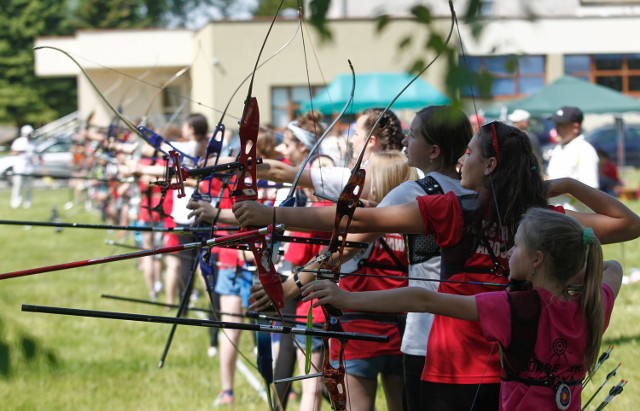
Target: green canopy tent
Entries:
(374, 90)
(571, 91)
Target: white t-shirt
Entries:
(180, 210)
(25, 155)
(329, 181)
(416, 333)
(576, 159)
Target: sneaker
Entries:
(224, 398)
(212, 351)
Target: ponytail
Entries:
(592, 302)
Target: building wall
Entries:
(236, 46)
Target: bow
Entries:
(332, 387)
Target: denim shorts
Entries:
(232, 282)
(371, 367)
(316, 342)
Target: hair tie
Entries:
(534, 168)
(588, 236)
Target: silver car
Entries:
(55, 159)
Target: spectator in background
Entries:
(476, 121)
(573, 156)
(609, 180)
(24, 149)
(520, 120)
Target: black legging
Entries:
(412, 370)
(459, 397)
(286, 360)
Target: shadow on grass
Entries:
(25, 349)
(621, 340)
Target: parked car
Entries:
(56, 159)
(606, 138)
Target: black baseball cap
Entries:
(568, 114)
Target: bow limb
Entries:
(128, 123)
(302, 167)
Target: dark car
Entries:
(606, 139)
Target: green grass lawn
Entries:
(53, 362)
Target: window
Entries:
(513, 76)
(485, 8)
(620, 72)
(285, 103)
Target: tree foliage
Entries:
(25, 98)
(267, 8)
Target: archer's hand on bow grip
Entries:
(252, 213)
(325, 292)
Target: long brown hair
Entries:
(516, 184)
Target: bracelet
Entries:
(297, 281)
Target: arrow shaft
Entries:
(201, 323)
(137, 254)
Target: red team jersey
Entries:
(457, 351)
(378, 258)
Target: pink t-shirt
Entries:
(562, 340)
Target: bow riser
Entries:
(246, 188)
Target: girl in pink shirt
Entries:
(550, 334)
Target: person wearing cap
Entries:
(24, 151)
(520, 120)
(573, 156)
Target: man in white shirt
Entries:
(25, 151)
(573, 156)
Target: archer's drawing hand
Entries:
(202, 211)
(252, 214)
(260, 301)
(326, 292)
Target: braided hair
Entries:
(389, 129)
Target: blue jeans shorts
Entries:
(316, 342)
(232, 282)
(371, 367)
